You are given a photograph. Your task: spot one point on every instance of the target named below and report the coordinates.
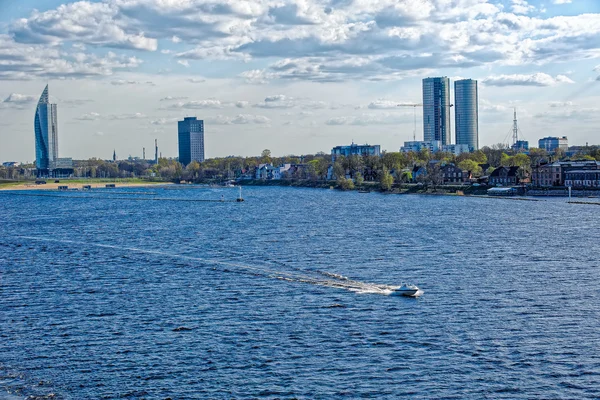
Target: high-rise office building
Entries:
(46, 134)
(436, 109)
(466, 113)
(191, 140)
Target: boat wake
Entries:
(315, 277)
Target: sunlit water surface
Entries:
(113, 295)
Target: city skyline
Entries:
(268, 76)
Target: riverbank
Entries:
(78, 184)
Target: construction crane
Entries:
(414, 106)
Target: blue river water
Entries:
(145, 294)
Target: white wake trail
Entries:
(334, 281)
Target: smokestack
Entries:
(155, 151)
(144, 153)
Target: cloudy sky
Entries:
(294, 76)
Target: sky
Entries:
(293, 76)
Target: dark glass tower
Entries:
(191, 140)
(436, 109)
(466, 113)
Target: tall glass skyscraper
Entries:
(46, 134)
(466, 109)
(191, 140)
(436, 109)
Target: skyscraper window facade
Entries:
(436, 110)
(466, 113)
(191, 140)
(46, 133)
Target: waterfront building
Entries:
(466, 113)
(434, 146)
(505, 176)
(583, 178)
(191, 140)
(436, 109)
(355, 149)
(550, 144)
(453, 174)
(546, 175)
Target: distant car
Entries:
(476, 184)
(40, 182)
(499, 184)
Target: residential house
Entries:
(418, 173)
(453, 174)
(505, 176)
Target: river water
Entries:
(115, 294)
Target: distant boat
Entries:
(364, 191)
(406, 289)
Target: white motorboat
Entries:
(406, 289)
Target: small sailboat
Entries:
(240, 198)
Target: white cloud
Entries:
(185, 63)
(242, 104)
(173, 98)
(559, 104)
(84, 22)
(382, 104)
(196, 80)
(368, 119)
(276, 101)
(198, 104)
(19, 98)
(240, 119)
(562, 1)
(20, 61)
(165, 121)
(537, 79)
(94, 116)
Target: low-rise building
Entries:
(505, 176)
(453, 174)
(546, 175)
(555, 174)
(582, 178)
(550, 144)
(355, 149)
(434, 146)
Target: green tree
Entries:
(471, 166)
(386, 180)
(359, 179)
(265, 156)
(345, 184)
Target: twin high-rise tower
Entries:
(436, 111)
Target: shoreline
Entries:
(79, 186)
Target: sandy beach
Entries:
(79, 185)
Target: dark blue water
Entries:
(285, 296)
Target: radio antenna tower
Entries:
(515, 129)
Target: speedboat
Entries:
(406, 289)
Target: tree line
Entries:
(391, 167)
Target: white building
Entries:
(434, 146)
